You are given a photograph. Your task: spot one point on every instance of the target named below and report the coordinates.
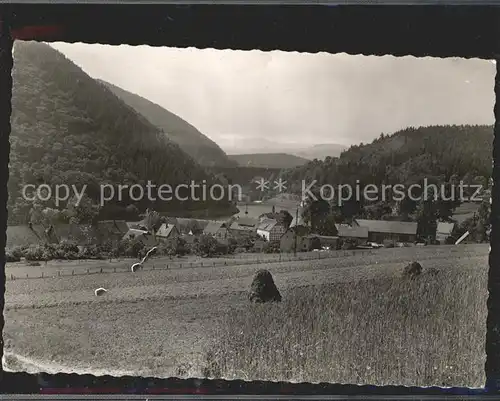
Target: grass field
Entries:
(347, 319)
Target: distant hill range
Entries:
(193, 142)
(321, 151)
(68, 128)
(260, 145)
(269, 160)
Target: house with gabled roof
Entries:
(216, 229)
(167, 233)
(143, 236)
(243, 226)
(296, 237)
(270, 229)
(381, 231)
(352, 232)
(324, 241)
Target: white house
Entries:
(443, 231)
(271, 230)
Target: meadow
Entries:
(348, 319)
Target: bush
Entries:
(68, 247)
(206, 246)
(50, 252)
(183, 248)
(106, 247)
(17, 251)
(176, 248)
(34, 253)
(10, 257)
(232, 245)
(271, 247)
(166, 249)
(127, 248)
(91, 252)
(221, 249)
(245, 242)
(132, 249)
(65, 250)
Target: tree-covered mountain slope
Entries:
(69, 129)
(193, 142)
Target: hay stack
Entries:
(263, 288)
(412, 270)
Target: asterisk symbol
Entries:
(262, 184)
(280, 185)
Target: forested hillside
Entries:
(407, 156)
(69, 129)
(444, 155)
(268, 160)
(193, 142)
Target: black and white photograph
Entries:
(228, 214)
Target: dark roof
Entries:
(324, 237)
(352, 232)
(299, 230)
(390, 227)
(165, 230)
(112, 227)
(244, 224)
(247, 221)
(213, 227)
(140, 235)
(239, 227)
(267, 225)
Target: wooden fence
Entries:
(163, 263)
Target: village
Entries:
(269, 233)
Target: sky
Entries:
(237, 98)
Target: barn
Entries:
(381, 231)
